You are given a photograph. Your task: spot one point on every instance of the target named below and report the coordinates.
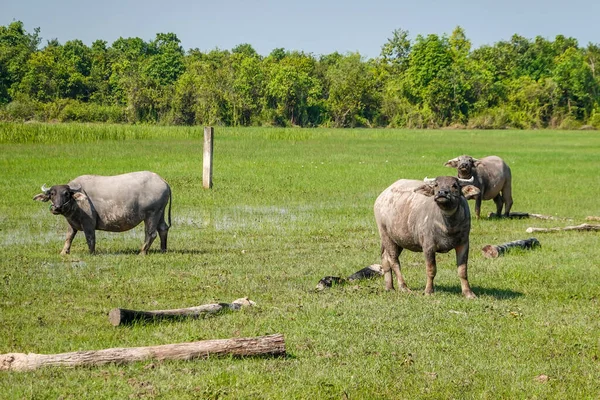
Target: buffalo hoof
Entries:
(469, 295)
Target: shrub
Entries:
(569, 123)
(595, 118)
(19, 111)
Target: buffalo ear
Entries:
(452, 163)
(79, 196)
(470, 192)
(425, 190)
(41, 197)
(476, 162)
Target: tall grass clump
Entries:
(86, 133)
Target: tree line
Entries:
(430, 81)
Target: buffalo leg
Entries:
(90, 237)
(163, 231)
(499, 203)
(462, 257)
(390, 261)
(150, 236)
(508, 200)
(478, 204)
(71, 232)
(150, 228)
(431, 269)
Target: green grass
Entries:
(289, 207)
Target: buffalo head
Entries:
(464, 165)
(447, 191)
(61, 197)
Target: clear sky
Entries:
(312, 26)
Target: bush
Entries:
(495, 118)
(19, 111)
(595, 118)
(76, 111)
(569, 123)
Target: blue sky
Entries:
(313, 26)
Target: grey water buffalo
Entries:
(112, 203)
(431, 217)
(492, 177)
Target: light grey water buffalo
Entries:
(431, 217)
(492, 177)
(112, 203)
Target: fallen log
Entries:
(519, 215)
(494, 251)
(582, 227)
(592, 218)
(371, 271)
(122, 316)
(273, 345)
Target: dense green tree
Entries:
(100, 73)
(575, 83)
(291, 89)
(165, 62)
(45, 77)
(351, 92)
(396, 51)
(16, 47)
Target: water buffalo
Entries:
(112, 203)
(492, 176)
(431, 217)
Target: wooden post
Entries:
(207, 157)
(273, 345)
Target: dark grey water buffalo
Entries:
(431, 217)
(112, 203)
(492, 177)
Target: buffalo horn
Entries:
(429, 180)
(44, 188)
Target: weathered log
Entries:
(122, 316)
(592, 218)
(371, 271)
(519, 215)
(273, 345)
(328, 281)
(494, 251)
(582, 227)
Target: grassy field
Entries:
(289, 207)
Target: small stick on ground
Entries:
(494, 251)
(273, 345)
(122, 316)
(582, 227)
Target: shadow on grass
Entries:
(496, 293)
